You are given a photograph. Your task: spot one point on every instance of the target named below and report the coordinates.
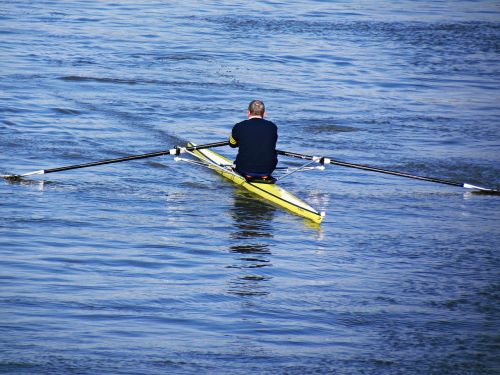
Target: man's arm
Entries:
(233, 142)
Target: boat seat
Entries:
(260, 180)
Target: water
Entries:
(158, 267)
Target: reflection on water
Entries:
(252, 223)
(251, 216)
(249, 285)
(251, 256)
(36, 184)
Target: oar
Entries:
(380, 170)
(173, 151)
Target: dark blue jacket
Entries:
(256, 139)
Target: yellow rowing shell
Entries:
(271, 192)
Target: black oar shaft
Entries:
(132, 157)
(109, 161)
(118, 160)
(372, 169)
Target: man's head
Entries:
(256, 108)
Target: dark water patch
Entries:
(58, 13)
(7, 32)
(86, 20)
(158, 165)
(7, 110)
(467, 36)
(83, 61)
(402, 86)
(128, 263)
(180, 57)
(325, 126)
(427, 126)
(25, 77)
(66, 111)
(453, 170)
(121, 81)
(47, 221)
(461, 37)
(18, 367)
(65, 260)
(95, 79)
(197, 185)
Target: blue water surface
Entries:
(161, 267)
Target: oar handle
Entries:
(386, 171)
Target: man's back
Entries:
(256, 139)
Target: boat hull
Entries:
(271, 192)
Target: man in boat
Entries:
(256, 141)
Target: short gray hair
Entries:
(256, 108)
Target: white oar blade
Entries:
(481, 189)
(469, 186)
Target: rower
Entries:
(256, 141)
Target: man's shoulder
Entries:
(241, 123)
(257, 120)
(251, 122)
(270, 122)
